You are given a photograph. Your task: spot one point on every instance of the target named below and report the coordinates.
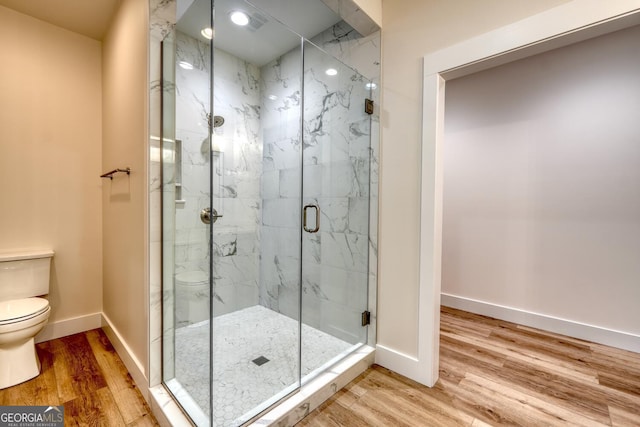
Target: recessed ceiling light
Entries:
(185, 65)
(371, 86)
(207, 33)
(331, 72)
(239, 18)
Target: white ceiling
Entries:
(260, 46)
(88, 17)
(306, 17)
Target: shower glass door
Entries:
(266, 157)
(256, 191)
(335, 245)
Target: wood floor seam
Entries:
(83, 373)
(492, 373)
(495, 373)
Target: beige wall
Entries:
(124, 200)
(50, 155)
(413, 28)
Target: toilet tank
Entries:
(24, 274)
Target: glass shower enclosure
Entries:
(266, 181)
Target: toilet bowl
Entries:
(20, 322)
(192, 297)
(23, 276)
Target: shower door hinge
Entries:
(368, 106)
(366, 318)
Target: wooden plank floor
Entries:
(85, 374)
(497, 373)
(492, 373)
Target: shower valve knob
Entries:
(206, 216)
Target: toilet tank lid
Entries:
(25, 254)
(192, 277)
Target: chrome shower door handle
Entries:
(304, 219)
(206, 217)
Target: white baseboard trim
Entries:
(133, 365)
(75, 325)
(567, 327)
(396, 361)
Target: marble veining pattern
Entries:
(239, 385)
(340, 176)
(270, 128)
(281, 184)
(237, 158)
(363, 54)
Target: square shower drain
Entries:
(260, 360)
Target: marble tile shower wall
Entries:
(363, 54)
(237, 158)
(192, 107)
(336, 176)
(338, 260)
(281, 184)
(238, 145)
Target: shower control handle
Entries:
(304, 219)
(205, 215)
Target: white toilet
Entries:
(24, 276)
(192, 297)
